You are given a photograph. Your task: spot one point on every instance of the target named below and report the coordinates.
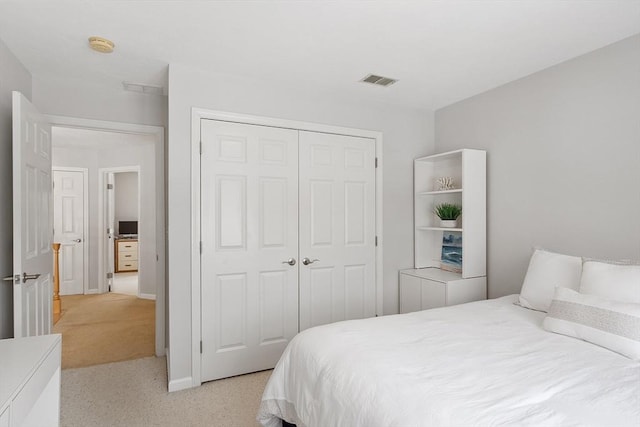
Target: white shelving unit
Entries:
(467, 168)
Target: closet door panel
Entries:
(337, 227)
(249, 226)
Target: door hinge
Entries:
(53, 184)
(200, 147)
(200, 347)
(109, 186)
(109, 275)
(376, 162)
(376, 240)
(200, 247)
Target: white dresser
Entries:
(424, 288)
(30, 381)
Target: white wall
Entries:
(77, 98)
(13, 76)
(126, 196)
(406, 135)
(563, 160)
(141, 155)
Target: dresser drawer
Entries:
(127, 257)
(127, 246)
(127, 266)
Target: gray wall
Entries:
(77, 98)
(126, 196)
(563, 160)
(13, 76)
(406, 135)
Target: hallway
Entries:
(105, 328)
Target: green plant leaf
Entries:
(447, 211)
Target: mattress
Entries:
(483, 363)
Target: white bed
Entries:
(484, 363)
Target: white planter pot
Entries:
(448, 223)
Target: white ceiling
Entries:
(441, 51)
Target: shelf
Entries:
(456, 154)
(438, 229)
(467, 170)
(434, 193)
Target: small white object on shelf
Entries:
(444, 183)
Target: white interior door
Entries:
(249, 226)
(32, 253)
(111, 229)
(68, 227)
(337, 228)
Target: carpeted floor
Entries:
(134, 393)
(105, 328)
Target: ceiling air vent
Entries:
(378, 80)
(143, 88)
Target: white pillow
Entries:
(548, 270)
(609, 324)
(612, 281)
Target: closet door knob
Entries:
(290, 261)
(307, 261)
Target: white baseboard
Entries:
(91, 291)
(180, 384)
(147, 296)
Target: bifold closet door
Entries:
(337, 228)
(249, 225)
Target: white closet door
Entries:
(337, 228)
(249, 202)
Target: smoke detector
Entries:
(378, 80)
(101, 44)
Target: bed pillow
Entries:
(616, 282)
(548, 270)
(609, 324)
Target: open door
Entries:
(32, 228)
(111, 230)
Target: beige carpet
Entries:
(105, 328)
(134, 393)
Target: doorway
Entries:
(122, 199)
(113, 144)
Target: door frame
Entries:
(85, 222)
(198, 114)
(158, 134)
(103, 220)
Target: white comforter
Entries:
(485, 363)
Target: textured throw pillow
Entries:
(616, 282)
(609, 324)
(548, 270)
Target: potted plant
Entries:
(448, 214)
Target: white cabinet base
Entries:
(424, 288)
(30, 381)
